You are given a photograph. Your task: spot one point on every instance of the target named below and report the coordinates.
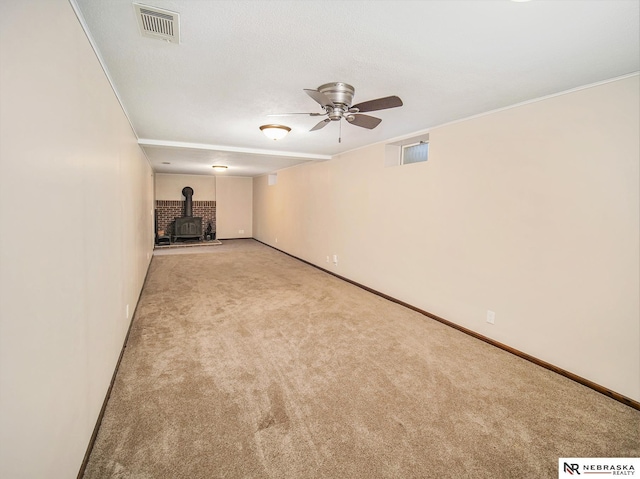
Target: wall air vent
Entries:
(157, 23)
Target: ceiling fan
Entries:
(335, 99)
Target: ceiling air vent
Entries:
(157, 23)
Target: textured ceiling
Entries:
(201, 102)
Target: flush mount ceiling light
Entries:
(275, 132)
(219, 167)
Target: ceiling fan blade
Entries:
(365, 121)
(290, 114)
(379, 104)
(322, 124)
(320, 97)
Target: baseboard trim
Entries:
(574, 377)
(94, 434)
(238, 238)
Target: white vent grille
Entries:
(157, 23)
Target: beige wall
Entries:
(532, 212)
(169, 187)
(76, 223)
(234, 203)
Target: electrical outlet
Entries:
(491, 317)
(241, 232)
(127, 311)
(328, 259)
(276, 240)
(335, 259)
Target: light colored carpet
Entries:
(246, 363)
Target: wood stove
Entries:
(188, 226)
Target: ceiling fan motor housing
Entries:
(339, 93)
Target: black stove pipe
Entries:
(187, 192)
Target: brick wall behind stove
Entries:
(169, 210)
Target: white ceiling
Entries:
(201, 102)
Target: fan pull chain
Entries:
(340, 132)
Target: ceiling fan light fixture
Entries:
(220, 167)
(275, 132)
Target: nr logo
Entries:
(571, 468)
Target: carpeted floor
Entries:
(245, 363)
